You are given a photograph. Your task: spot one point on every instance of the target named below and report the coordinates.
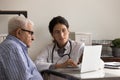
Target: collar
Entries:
(66, 46)
(16, 40)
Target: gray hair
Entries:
(18, 22)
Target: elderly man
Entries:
(15, 63)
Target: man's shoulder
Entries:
(9, 44)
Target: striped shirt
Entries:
(15, 63)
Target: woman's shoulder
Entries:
(50, 45)
(47, 47)
(77, 43)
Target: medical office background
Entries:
(101, 18)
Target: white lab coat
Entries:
(44, 60)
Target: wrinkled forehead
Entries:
(29, 26)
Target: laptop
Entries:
(91, 58)
(90, 61)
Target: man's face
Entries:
(60, 34)
(26, 35)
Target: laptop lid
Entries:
(91, 58)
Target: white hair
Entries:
(18, 22)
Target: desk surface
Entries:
(110, 74)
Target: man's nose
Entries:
(33, 38)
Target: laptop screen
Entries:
(91, 58)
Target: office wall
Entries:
(99, 17)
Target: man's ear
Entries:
(18, 32)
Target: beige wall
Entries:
(99, 17)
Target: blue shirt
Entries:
(15, 63)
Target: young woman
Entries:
(63, 52)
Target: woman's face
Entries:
(60, 34)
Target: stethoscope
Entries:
(63, 54)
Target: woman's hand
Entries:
(68, 63)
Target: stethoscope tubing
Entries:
(63, 55)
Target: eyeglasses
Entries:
(30, 32)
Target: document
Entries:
(112, 65)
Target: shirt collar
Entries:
(16, 40)
(66, 46)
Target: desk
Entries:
(110, 74)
